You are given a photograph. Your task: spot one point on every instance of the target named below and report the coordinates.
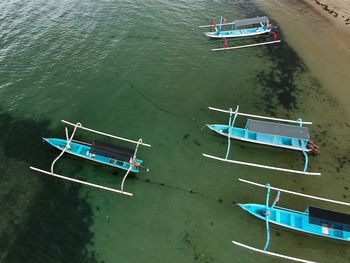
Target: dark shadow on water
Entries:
(279, 80)
(54, 226)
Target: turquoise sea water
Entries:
(144, 69)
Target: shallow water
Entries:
(146, 71)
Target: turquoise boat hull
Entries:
(83, 151)
(247, 32)
(259, 137)
(297, 221)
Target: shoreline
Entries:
(321, 40)
(336, 12)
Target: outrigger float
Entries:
(277, 134)
(314, 220)
(101, 152)
(238, 29)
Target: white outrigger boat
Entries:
(240, 29)
(100, 152)
(315, 221)
(276, 133)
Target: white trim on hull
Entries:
(214, 35)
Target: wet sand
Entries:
(336, 11)
(320, 39)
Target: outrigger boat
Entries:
(277, 134)
(314, 220)
(239, 29)
(101, 152)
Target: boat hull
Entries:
(237, 33)
(256, 137)
(83, 151)
(295, 220)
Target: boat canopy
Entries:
(278, 129)
(112, 151)
(251, 21)
(337, 220)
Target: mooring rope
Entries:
(69, 140)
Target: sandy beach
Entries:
(336, 11)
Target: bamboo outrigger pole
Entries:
(106, 134)
(245, 46)
(272, 253)
(261, 117)
(219, 24)
(295, 193)
(81, 182)
(260, 165)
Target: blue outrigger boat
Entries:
(277, 134)
(104, 153)
(100, 152)
(314, 220)
(238, 28)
